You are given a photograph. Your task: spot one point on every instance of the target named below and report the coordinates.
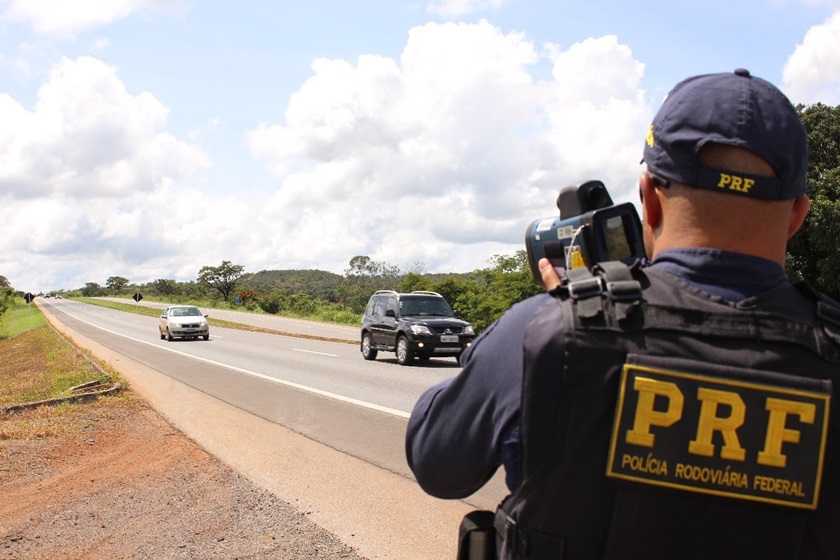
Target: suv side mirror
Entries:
(456, 312)
(390, 313)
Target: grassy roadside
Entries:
(38, 364)
(20, 318)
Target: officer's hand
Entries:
(550, 277)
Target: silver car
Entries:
(183, 321)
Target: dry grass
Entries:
(36, 365)
(63, 419)
(22, 367)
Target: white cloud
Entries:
(812, 72)
(595, 117)
(455, 8)
(170, 233)
(443, 156)
(68, 18)
(452, 151)
(65, 19)
(88, 137)
(86, 180)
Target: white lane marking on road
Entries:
(313, 352)
(305, 388)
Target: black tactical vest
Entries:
(680, 425)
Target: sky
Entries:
(148, 138)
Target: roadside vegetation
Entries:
(38, 364)
(19, 318)
(480, 297)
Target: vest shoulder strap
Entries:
(609, 285)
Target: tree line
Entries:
(480, 296)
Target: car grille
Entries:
(446, 330)
(190, 325)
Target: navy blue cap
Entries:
(736, 109)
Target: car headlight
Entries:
(420, 329)
(469, 329)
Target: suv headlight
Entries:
(469, 329)
(420, 329)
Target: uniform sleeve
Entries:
(455, 431)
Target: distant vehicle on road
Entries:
(183, 321)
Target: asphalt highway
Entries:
(307, 419)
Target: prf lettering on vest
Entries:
(709, 421)
(727, 432)
(735, 183)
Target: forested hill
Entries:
(316, 283)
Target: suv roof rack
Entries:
(415, 292)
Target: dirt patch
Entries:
(117, 481)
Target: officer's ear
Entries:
(797, 216)
(651, 205)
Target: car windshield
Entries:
(425, 306)
(185, 312)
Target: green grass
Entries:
(37, 363)
(20, 318)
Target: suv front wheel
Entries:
(404, 354)
(368, 353)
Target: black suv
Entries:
(419, 324)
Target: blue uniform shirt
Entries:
(464, 428)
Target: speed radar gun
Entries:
(590, 229)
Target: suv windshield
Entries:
(424, 306)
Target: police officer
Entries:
(674, 410)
